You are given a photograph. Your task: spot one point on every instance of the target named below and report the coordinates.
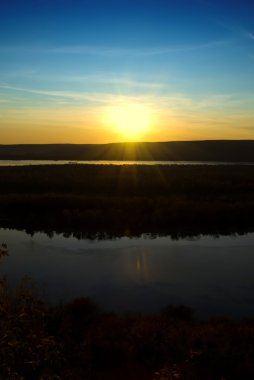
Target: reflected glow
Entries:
(130, 120)
(142, 265)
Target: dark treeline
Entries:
(125, 200)
(210, 150)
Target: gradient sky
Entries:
(65, 63)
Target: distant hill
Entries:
(208, 150)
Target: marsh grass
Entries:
(128, 199)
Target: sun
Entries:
(130, 119)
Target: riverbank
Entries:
(128, 200)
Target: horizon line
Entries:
(134, 142)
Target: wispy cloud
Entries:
(93, 97)
(237, 30)
(110, 79)
(113, 51)
(109, 51)
(102, 98)
(248, 35)
(175, 103)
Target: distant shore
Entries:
(128, 200)
(208, 150)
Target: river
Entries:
(213, 275)
(112, 162)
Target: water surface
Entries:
(212, 275)
(112, 162)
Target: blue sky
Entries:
(62, 62)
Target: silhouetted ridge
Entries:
(209, 150)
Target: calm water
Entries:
(215, 276)
(62, 162)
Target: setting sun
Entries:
(130, 120)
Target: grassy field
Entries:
(128, 199)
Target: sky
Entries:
(101, 71)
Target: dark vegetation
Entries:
(128, 200)
(77, 341)
(217, 150)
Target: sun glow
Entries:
(131, 120)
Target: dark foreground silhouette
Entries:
(128, 199)
(210, 150)
(78, 341)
